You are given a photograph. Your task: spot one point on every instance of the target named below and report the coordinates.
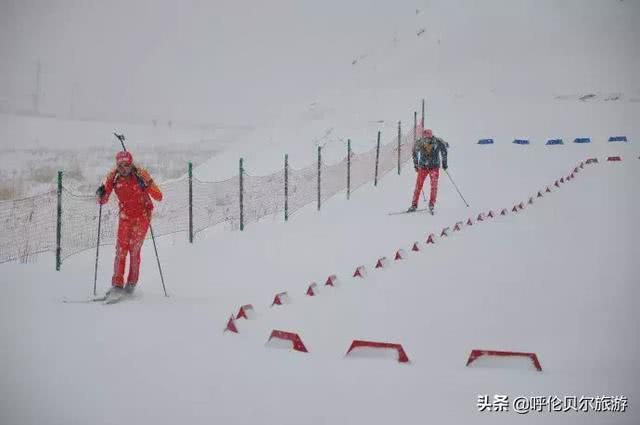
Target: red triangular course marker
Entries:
(490, 214)
(245, 311)
(530, 201)
(359, 272)
(279, 299)
(370, 346)
(295, 339)
(556, 184)
(469, 222)
(548, 190)
(381, 262)
(514, 209)
(539, 194)
(521, 205)
(503, 212)
(582, 164)
(456, 228)
(479, 218)
(445, 232)
(311, 290)
(399, 255)
(231, 326)
(430, 239)
(331, 280)
(415, 247)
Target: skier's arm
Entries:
(148, 183)
(443, 153)
(104, 191)
(414, 153)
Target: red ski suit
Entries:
(433, 174)
(135, 214)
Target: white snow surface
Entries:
(558, 279)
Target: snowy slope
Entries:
(556, 279)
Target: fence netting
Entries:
(29, 226)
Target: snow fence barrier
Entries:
(65, 221)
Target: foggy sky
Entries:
(226, 62)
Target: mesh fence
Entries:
(29, 225)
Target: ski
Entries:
(410, 212)
(84, 301)
(115, 300)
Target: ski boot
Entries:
(412, 208)
(129, 288)
(114, 294)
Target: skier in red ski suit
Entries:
(427, 151)
(134, 188)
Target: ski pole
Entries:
(158, 259)
(454, 185)
(95, 275)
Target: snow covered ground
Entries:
(558, 278)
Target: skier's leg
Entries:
(122, 248)
(434, 174)
(138, 233)
(422, 174)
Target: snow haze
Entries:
(216, 81)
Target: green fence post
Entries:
(319, 162)
(286, 187)
(348, 168)
(190, 202)
(399, 144)
(241, 197)
(59, 225)
(375, 177)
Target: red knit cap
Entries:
(124, 157)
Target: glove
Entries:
(141, 182)
(445, 166)
(100, 192)
(143, 177)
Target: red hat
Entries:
(124, 157)
(427, 132)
